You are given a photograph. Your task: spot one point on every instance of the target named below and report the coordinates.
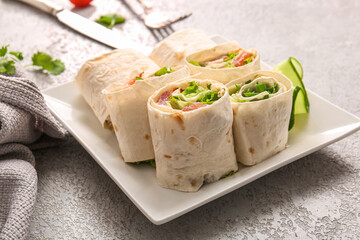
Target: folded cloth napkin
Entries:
(25, 124)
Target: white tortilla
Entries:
(261, 128)
(117, 66)
(128, 112)
(173, 49)
(223, 75)
(192, 147)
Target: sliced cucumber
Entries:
(293, 70)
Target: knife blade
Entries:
(87, 27)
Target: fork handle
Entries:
(140, 12)
(147, 5)
(47, 6)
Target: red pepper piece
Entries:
(240, 61)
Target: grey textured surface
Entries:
(315, 197)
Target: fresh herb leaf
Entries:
(58, 68)
(7, 66)
(208, 86)
(110, 20)
(3, 50)
(43, 60)
(18, 55)
(7, 63)
(163, 71)
(46, 62)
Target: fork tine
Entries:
(153, 32)
(168, 29)
(163, 32)
(171, 29)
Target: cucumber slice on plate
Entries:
(294, 71)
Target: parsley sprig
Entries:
(7, 60)
(110, 20)
(46, 62)
(39, 59)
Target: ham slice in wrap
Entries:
(117, 66)
(127, 105)
(173, 49)
(225, 62)
(261, 105)
(191, 129)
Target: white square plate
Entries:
(325, 124)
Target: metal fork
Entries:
(156, 21)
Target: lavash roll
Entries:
(113, 67)
(192, 147)
(173, 49)
(223, 75)
(260, 127)
(128, 112)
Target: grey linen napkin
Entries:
(25, 124)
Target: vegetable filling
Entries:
(190, 98)
(237, 58)
(255, 90)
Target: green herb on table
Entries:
(7, 60)
(46, 62)
(110, 20)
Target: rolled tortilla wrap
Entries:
(113, 67)
(220, 52)
(128, 111)
(261, 117)
(193, 146)
(173, 50)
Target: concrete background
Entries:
(315, 197)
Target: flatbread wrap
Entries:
(261, 105)
(191, 129)
(223, 63)
(127, 105)
(173, 49)
(113, 67)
